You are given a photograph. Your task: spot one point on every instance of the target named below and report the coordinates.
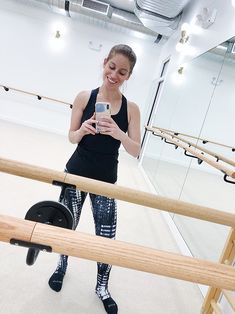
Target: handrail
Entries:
(198, 154)
(119, 253)
(7, 88)
(217, 156)
(118, 192)
(198, 138)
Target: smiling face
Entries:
(116, 71)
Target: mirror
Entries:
(198, 106)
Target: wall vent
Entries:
(97, 7)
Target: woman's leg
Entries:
(105, 216)
(73, 199)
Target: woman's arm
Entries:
(78, 130)
(131, 140)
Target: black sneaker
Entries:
(56, 280)
(110, 306)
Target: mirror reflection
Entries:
(193, 103)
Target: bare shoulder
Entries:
(81, 99)
(133, 109)
(132, 106)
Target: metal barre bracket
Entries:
(155, 134)
(198, 159)
(63, 184)
(226, 180)
(33, 245)
(170, 143)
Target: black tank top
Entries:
(96, 156)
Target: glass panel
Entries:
(201, 106)
(204, 184)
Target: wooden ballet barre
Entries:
(215, 307)
(114, 191)
(231, 300)
(198, 154)
(227, 257)
(37, 95)
(195, 137)
(119, 253)
(209, 152)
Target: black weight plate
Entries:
(52, 213)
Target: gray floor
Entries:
(24, 289)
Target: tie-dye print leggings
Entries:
(104, 211)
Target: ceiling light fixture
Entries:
(180, 70)
(184, 37)
(57, 34)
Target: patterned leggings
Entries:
(104, 211)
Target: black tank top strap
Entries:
(121, 118)
(90, 107)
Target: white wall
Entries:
(28, 62)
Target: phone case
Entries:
(101, 109)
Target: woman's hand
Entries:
(87, 126)
(110, 127)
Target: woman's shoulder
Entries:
(133, 111)
(83, 95)
(82, 98)
(132, 106)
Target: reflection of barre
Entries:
(195, 137)
(118, 253)
(118, 192)
(217, 156)
(199, 154)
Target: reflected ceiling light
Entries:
(186, 27)
(184, 37)
(233, 3)
(183, 40)
(57, 45)
(58, 29)
(179, 47)
(57, 42)
(180, 70)
(57, 34)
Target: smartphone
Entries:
(102, 109)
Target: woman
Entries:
(96, 155)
